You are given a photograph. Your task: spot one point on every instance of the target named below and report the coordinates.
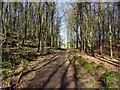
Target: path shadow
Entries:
(52, 59)
(49, 74)
(78, 84)
(56, 74)
(48, 80)
(63, 83)
(75, 75)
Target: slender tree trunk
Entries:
(81, 27)
(39, 33)
(77, 35)
(103, 25)
(100, 41)
(25, 30)
(3, 30)
(110, 31)
(14, 16)
(18, 30)
(52, 35)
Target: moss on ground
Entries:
(93, 63)
(84, 63)
(15, 57)
(110, 80)
(88, 67)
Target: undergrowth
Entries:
(110, 80)
(13, 58)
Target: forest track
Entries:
(58, 73)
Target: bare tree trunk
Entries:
(110, 31)
(100, 41)
(39, 33)
(52, 35)
(77, 35)
(26, 22)
(14, 16)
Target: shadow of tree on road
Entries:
(52, 75)
(56, 73)
(63, 84)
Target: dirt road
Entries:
(56, 72)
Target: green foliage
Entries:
(15, 57)
(7, 61)
(23, 62)
(88, 67)
(7, 64)
(84, 63)
(81, 60)
(73, 56)
(12, 58)
(110, 80)
(93, 63)
(5, 72)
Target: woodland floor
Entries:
(58, 72)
